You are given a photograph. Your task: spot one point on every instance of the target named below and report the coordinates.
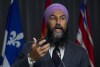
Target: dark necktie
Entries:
(56, 56)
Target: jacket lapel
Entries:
(67, 53)
(48, 60)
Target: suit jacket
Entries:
(74, 56)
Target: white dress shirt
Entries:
(62, 49)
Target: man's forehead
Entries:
(58, 12)
(60, 15)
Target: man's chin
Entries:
(57, 34)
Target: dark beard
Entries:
(57, 41)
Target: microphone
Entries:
(59, 54)
(47, 41)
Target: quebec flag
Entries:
(14, 38)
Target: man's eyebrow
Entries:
(63, 16)
(52, 15)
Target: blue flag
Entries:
(14, 38)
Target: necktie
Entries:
(56, 56)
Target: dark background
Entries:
(32, 16)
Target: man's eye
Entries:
(62, 18)
(52, 18)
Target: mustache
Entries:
(58, 26)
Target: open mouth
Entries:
(58, 30)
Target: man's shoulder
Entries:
(75, 47)
(28, 44)
(27, 47)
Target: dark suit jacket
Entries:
(74, 56)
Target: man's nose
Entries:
(58, 21)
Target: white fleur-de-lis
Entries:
(14, 39)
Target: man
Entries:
(55, 50)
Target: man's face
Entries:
(57, 23)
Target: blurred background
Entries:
(32, 11)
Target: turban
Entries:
(53, 7)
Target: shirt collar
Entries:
(62, 49)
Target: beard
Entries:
(57, 38)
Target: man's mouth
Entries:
(58, 30)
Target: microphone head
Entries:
(58, 53)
